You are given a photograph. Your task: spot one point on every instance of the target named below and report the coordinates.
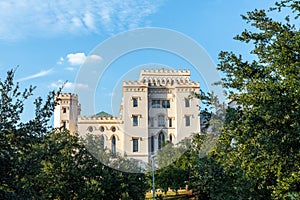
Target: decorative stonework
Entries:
(155, 86)
(164, 77)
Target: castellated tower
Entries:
(66, 112)
(172, 114)
(135, 116)
(155, 109)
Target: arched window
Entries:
(152, 143)
(90, 129)
(102, 142)
(102, 128)
(187, 102)
(161, 121)
(113, 145)
(161, 140)
(135, 102)
(171, 138)
(187, 120)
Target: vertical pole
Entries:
(153, 186)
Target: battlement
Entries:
(161, 81)
(134, 83)
(165, 76)
(165, 71)
(67, 96)
(95, 118)
(190, 84)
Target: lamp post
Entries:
(153, 185)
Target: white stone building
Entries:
(154, 109)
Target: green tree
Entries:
(19, 162)
(37, 162)
(58, 171)
(207, 177)
(128, 183)
(259, 144)
(172, 172)
(72, 170)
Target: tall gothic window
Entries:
(161, 140)
(64, 126)
(170, 122)
(152, 143)
(187, 120)
(161, 121)
(155, 103)
(165, 103)
(135, 144)
(113, 145)
(135, 102)
(135, 120)
(151, 121)
(171, 139)
(102, 142)
(187, 102)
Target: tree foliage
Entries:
(257, 155)
(172, 170)
(18, 159)
(37, 162)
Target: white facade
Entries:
(154, 109)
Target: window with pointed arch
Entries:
(135, 144)
(161, 121)
(64, 110)
(170, 122)
(102, 128)
(113, 145)
(171, 139)
(102, 142)
(152, 143)
(187, 120)
(161, 140)
(135, 102)
(187, 102)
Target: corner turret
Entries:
(66, 112)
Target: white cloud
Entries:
(94, 57)
(76, 58)
(88, 20)
(67, 85)
(27, 18)
(37, 75)
(80, 58)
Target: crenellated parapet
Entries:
(165, 76)
(134, 83)
(189, 84)
(68, 95)
(165, 71)
(97, 118)
(155, 108)
(66, 111)
(67, 98)
(153, 80)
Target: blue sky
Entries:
(50, 40)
